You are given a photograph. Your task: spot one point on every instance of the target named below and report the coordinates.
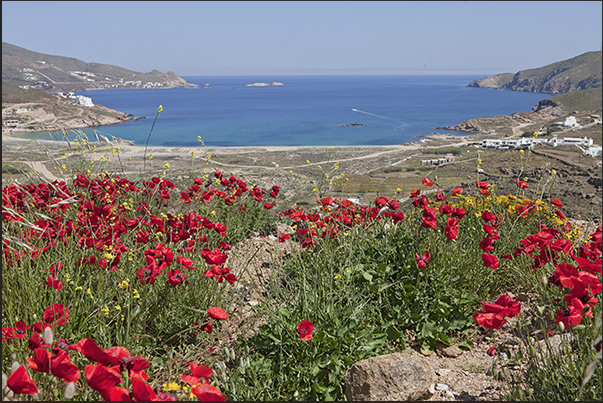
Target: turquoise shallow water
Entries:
(307, 110)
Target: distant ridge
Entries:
(575, 74)
(32, 70)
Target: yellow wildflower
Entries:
(160, 108)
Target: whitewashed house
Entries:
(84, 101)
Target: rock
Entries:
(392, 377)
(441, 386)
(451, 351)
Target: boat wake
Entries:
(377, 116)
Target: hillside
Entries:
(575, 101)
(33, 70)
(578, 73)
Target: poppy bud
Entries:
(69, 390)
(561, 326)
(540, 310)
(533, 351)
(545, 281)
(579, 327)
(48, 336)
(551, 315)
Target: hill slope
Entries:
(33, 70)
(578, 73)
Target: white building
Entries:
(84, 101)
(570, 141)
(594, 151)
(571, 121)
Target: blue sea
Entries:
(306, 110)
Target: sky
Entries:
(196, 38)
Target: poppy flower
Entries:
(457, 191)
(491, 231)
(175, 277)
(482, 185)
(490, 260)
(495, 312)
(572, 316)
(207, 392)
(422, 260)
(394, 204)
(521, 184)
(54, 283)
(56, 314)
(486, 244)
(282, 237)
(381, 201)
(458, 212)
(445, 209)
(488, 216)
(451, 230)
(142, 392)
(62, 367)
(40, 361)
(19, 329)
(217, 313)
(102, 378)
(557, 202)
(427, 182)
(415, 193)
(397, 216)
(305, 328)
(492, 351)
(268, 206)
(197, 372)
(439, 196)
(21, 383)
(560, 214)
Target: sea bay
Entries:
(306, 110)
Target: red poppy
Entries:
(397, 216)
(142, 392)
(427, 182)
(197, 372)
(415, 193)
(217, 313)
(482, 185)
(458, 212)
(282, 237)
(102, 378)
(557, 202)
(19, 328)
(305, 330)
(422, 260)
(445, 209)
(452, 228)
(572, 316)
(56, 314)
(62, 367)
(21, 383)
(40, 361)
(488, 216)
(175, 277)
(439, 196)
(381, 201)
(521, 184)
(457, 191)
(54, 283)
(429, 222)
(492, 351)
(207, 392)
(394, 204)
(495, 313)
(93, 352)
(491, 231)
(560, 214)
(268, 206)
(490, 260)
(486, 244)
(326, 201)
(274, 192)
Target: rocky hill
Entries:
(33, 70)
(578, 73)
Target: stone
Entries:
(451, 351)
(391, 377)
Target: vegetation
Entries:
(584, 100)
(117, 288)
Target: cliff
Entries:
(575, 74)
